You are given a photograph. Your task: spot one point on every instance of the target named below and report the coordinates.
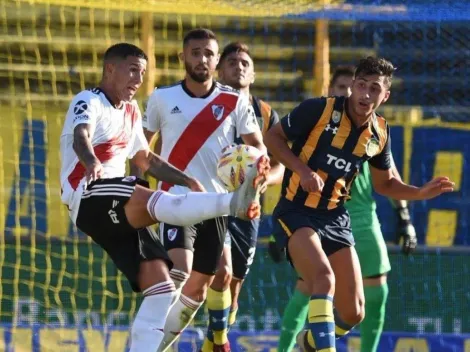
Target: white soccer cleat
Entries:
(245, 202)
(302, 341)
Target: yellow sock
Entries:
(218, 304)
(232, 317)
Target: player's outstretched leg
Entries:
(246, 199)
(146, 208)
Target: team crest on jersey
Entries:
(172, 234)
(372, 147)
(218, 111)
(336, 116)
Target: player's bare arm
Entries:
(84, 150)
(158, 168)
(276, 141)
(254, 139)
(387, 184)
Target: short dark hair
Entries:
(122, 51)
(234, 47)
(376, 66)
(199, 33)
(342, 71)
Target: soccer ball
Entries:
(234, 163)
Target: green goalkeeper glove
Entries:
(406, 231)
(276, 254)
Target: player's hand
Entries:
(311, 182)
(406, 232)
(195, 186)
(93, 171)
(436, 187)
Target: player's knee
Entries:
(355, 312)
(223, 277)
(322, 281)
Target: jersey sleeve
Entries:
(138, 140)
(84, 109)
(245, 120)
(152, 117)
(300, 121)
(383, 160)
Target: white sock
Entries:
(147, 329)
(188, 209)
(181, 314)
(179, 278)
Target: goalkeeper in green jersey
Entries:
(370, 247)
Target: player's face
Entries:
(200, 59)
(237, 70)
(342, 86)
(127, 76)
(368, 92)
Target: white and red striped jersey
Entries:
(194, 130)
(116, 135)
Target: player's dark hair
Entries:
(376, 66)
(199, 34)
(122, 51)
(234, 47)
(342, 71)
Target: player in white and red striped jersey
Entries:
(196, 118)
(102, 129)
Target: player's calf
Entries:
(147, 328)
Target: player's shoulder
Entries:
(88, 95)
(226, 89)
(314, 105)
(166, 90)
(381, 125)
(261, 103)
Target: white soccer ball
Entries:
(234, 163)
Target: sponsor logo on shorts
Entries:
(172, 234)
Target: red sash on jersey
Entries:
(107, 150)
(199, 130)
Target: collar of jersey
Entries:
(361, 128)
(188, 92)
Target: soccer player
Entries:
(236, 69)
(332, 138)
(196, 119)
(370, 247)
(102, 128)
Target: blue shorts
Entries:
(332, 226)
(241, 237)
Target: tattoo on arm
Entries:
(164, 171)
(82, 144)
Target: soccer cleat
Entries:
(245, 201)
(302, 341)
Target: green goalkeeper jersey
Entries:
(362, 200)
